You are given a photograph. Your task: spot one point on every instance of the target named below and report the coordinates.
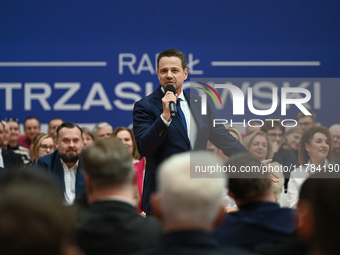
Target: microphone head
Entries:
(170, 88)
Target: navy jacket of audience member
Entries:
(192, 242)
(52, 164)
(256, 223)
(156, 141)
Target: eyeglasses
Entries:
(305, 123)
(45, 147)
(11, 119)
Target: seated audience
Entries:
(259, 219)
(8, 159)
(189, 208)
(64, 163)
(31, 128)
(13, 141)
(88, 137)
(258, 144)
(111, 224)
(285, 157)
(127, 137)
(53, 124)
(33, 219)
(335, 132)
(314, 153)
(306, 121)
(102, 130)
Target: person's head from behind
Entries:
(184, 203)
(88, 137)
(318, 210)
(42, 145)
(127, 137)
(31, 127)
(53, 124)
(258, 144)
(306, 121)
(315, 145)
(107, 166)
(292, 138)
(33, 219)
(172, 68)
(102, 130)
(248, 187)
(69, 142)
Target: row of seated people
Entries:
(189, 215)
(268, 141)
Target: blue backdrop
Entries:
(89, 61)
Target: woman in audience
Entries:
(42, 145)
(292, 139)
(128, 138)
(88, 137)
(259, 145)
(314, 156)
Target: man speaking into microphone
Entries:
(165, 123)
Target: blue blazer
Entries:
(156, 141)
(51, 164)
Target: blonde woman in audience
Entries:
(259, 145)
(315, 153)
(42, 145)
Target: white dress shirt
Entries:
(70, 182)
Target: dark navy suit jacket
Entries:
(156, 141)
(51, 164)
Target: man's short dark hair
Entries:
(247, 186)
(269, 125)
(31, 118)
(69, 125)
(173, 53)
(108, 163)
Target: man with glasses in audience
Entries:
(306, 121)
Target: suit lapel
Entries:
(195, 107)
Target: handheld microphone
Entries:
(172, 105)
